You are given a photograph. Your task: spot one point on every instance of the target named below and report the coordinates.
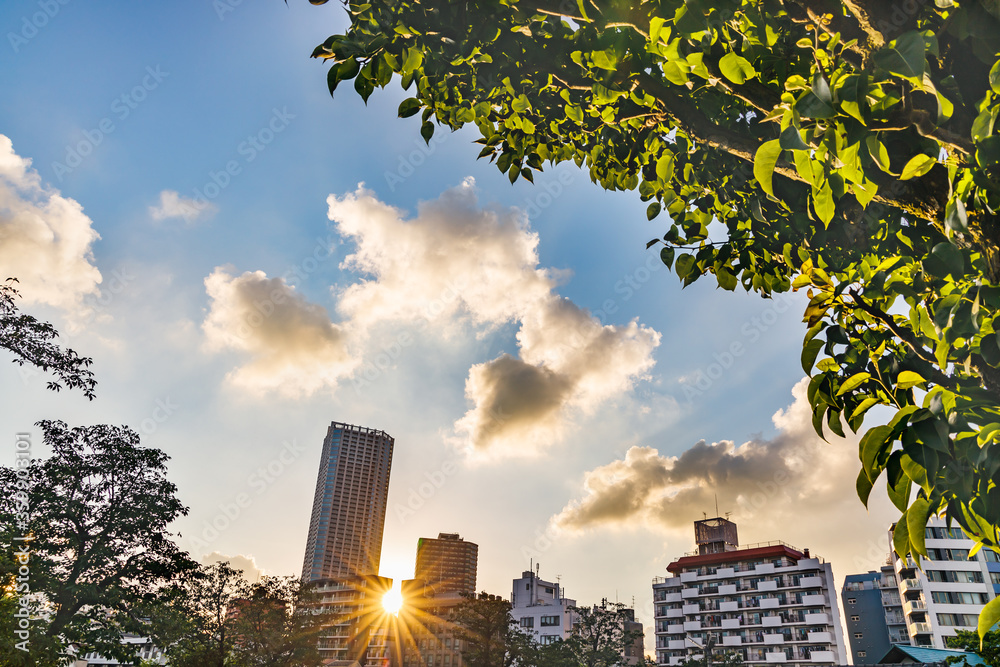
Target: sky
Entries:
(246, 260)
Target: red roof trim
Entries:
(734, 557)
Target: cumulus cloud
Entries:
(45, 238)
(455, 266)
(457, 261)
(292, 346)
(173, 206)
(773, 485)
(246, 564)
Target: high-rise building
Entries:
(426, 631)
(539, 607)
(359, 629)
(867, 617)
(923, 606)
(447, 564)
(767, 602)
(348, 515)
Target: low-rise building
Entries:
(541, 609)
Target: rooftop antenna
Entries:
(716, 504)
(705, 514)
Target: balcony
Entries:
(732, 641)
(730, 623)
(688, 576)
(674, 613)
(811, 582)
(675, 629)
(818, 619)
(910, 606)
(767, 585)
(672, 597)
(909, 585)
(821, 656)
(729, 606)
(772, 640)
(919, 629)
(769, 603)
(820, 637)
(725, 572)
(688, 593)
(814, 600)
(692, 625)
(690, 609)
(775, 657)
(676, 644)
(771, 621)
(728, 589)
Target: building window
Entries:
(528, 622)
(549, 621)
(548, 639)
(851, 600)
(958, 620)
(954, 597)
(855, 618)
(862, 654)
(858, 635)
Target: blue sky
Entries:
(165, 97)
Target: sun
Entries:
(393, 600)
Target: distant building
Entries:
(426, 635)
(768, 602)
(146, 651)
(359, 629)
(923, 606)
(865, 614)
(447, 564)
(540, 609)
(348, 514)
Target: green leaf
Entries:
(736, 68)
(853, 383)
(988, 617)
(652, 211)
(790, 139)
(811, 106)
(955, 216)
(821, 89)
(823, 202)
(989, 348)
(863, 407)
(408, 107)
(414, 58)
(667, 256)
(573, 112)
(905, 56)
(726, 279)
(864, 487)
(874, 449)
(918, 165)
(878, 153)
(901, 538)
(809, 352)
(995, 77)
(665, 167)
(908, 379)
(685, 264)
(916, 521)
(427, 131)
(763, 164)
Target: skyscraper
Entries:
(345, 532)
(447, 564)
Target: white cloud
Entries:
(457, 261)
(45, 238)
(246, 564)
(292, 345)
(172, 205)
(775, 487)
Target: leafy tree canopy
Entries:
(489, 635)
(988, 649)
(845, 148)
(31, 342)
(98, 551)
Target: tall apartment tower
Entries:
(447, 564)
(348, 515)
(768, 602)
(923, 606)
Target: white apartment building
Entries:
(540, 609)
(768, 602)
(948, 590)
